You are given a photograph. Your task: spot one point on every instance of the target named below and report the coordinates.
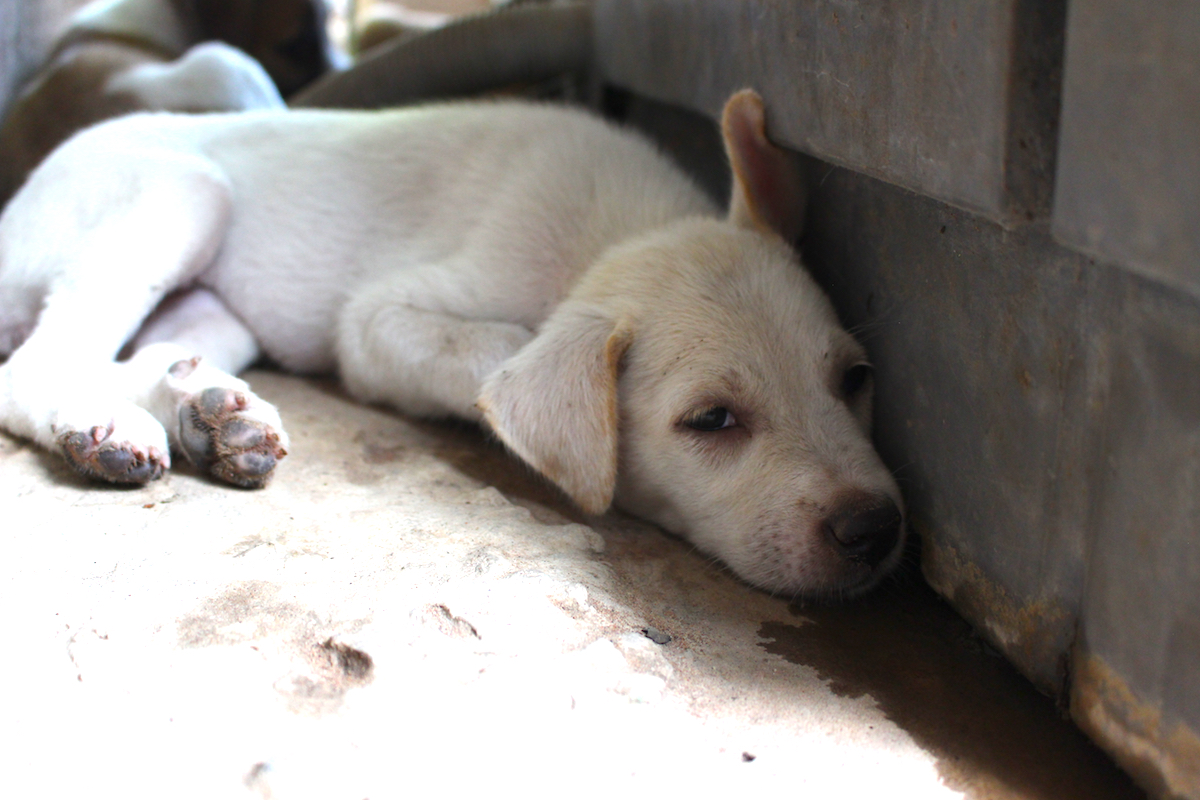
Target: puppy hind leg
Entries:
(199, 322)
(96, 256)
(107, 264)
(187, 354)
(19, 308)
(81, 413)
(131, 448)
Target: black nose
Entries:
(866, 532)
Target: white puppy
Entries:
(528, 266)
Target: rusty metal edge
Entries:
(1164, 759)
(1036, 636)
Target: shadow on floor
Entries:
(993, 734)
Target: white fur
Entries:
(211, 76)
(156, 22)
(536, 256)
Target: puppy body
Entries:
(529, 266)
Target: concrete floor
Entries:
(406, 611)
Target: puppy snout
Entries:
(865, 530)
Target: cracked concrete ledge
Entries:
(406, 611)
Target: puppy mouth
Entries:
(814, 563)
(871, 578)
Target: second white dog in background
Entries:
(527, 266)
(117, 57)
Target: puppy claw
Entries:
(234, 448)
(215, 402)
(185, 367)
(93, 455)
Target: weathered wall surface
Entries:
(1031, 299)
(1129, 176)
(929, 94)
(1042, 410)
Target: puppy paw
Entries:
(97, 453)
(219, 433)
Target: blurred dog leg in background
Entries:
(379, 21)
(120, 56)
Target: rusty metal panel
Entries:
(984, 374)
(1129, 163)
(954, 100)
(1043, 412)
(1136, 680)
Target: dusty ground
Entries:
(406, 611)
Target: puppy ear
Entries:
(555, 403)
(767, 190)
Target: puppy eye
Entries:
(714, 419)
(854, 379)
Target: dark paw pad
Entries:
(216, 437)
(94, 455)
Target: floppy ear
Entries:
(555, 403)
(767, 191)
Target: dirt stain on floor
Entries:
(994, 736)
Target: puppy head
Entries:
(700, 377)
(745, 417)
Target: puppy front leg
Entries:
(426, 363)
